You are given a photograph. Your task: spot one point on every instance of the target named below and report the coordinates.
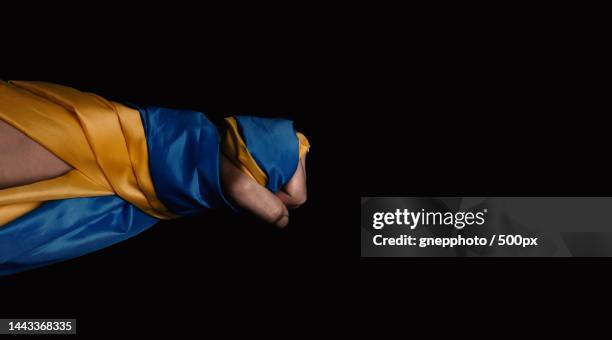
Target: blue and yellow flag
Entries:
(131, 167)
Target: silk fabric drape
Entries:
(131, 167)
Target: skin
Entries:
(24, 161)
(270, 207)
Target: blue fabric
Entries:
(64, 229)
(183, 159)
(274, 145)
(184, 162)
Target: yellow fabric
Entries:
(102, 140)
(304, 144)
(235, 149)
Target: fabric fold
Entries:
(103, 141)
(132, 167)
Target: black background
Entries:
(218, 263)
(392, 106)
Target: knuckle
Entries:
(275, 213)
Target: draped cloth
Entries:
(131, 167)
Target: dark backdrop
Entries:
(409, 108)
(219, 256)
